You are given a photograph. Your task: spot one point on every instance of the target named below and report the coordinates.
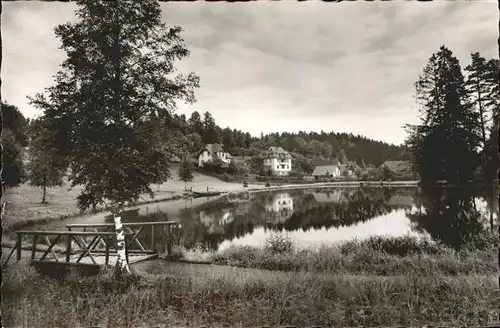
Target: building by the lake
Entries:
(211, 152)
(326, 171)
(277, 161)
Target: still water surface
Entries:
(315, 217)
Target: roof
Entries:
(213, 148)
(323, 162)
(276, 149)
(321, 170)
(276, 152)
(397, 166)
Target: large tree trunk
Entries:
(121, 268)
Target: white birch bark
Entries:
(122, 267)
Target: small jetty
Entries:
(198, 194)
(94, 245)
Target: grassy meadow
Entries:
(23, 204)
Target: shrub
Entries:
(278, 244)
(268, 184)
(245, 184)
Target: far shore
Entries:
(24, 207)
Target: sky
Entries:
(280, 66)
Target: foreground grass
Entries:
(195, 295)
(374, 256)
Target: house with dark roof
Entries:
(326, 171)
(323, 162)
(400, 169)
(211, 152)
(277, 160)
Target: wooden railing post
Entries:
(19, 248)
(153, 240)
(126, 249)
(33, 246)
(68, 247)
(169, 239)
(106, 254)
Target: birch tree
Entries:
(117, 80)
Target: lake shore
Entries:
(24, 207)
(377, 255)
(335, 184)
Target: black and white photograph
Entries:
(250, 164)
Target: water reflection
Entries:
(313, 217)
(452, 215)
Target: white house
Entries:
(212, 151)
(277, 160)
(326, 171)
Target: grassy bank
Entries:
(24, 207)
(192, 295)
(374, 256)
(380, 281)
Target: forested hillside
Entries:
(192, 133)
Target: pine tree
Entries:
(343, 157)
(210, 133)
(479, 87)
(444, 146)
(492, 155)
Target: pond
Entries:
(316, 217)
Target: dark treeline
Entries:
(197, 130)
(457, 139)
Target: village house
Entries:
(212, 151)
(326, 171)
(348, 170)
(277, 160)
(399, 169)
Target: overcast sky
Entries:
(287, 66)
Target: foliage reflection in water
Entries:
(315, 217)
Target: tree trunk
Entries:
(121, 268)
(44, 190)
(483, 131)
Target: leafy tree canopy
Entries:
(117, 82)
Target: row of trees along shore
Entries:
(107, 122)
